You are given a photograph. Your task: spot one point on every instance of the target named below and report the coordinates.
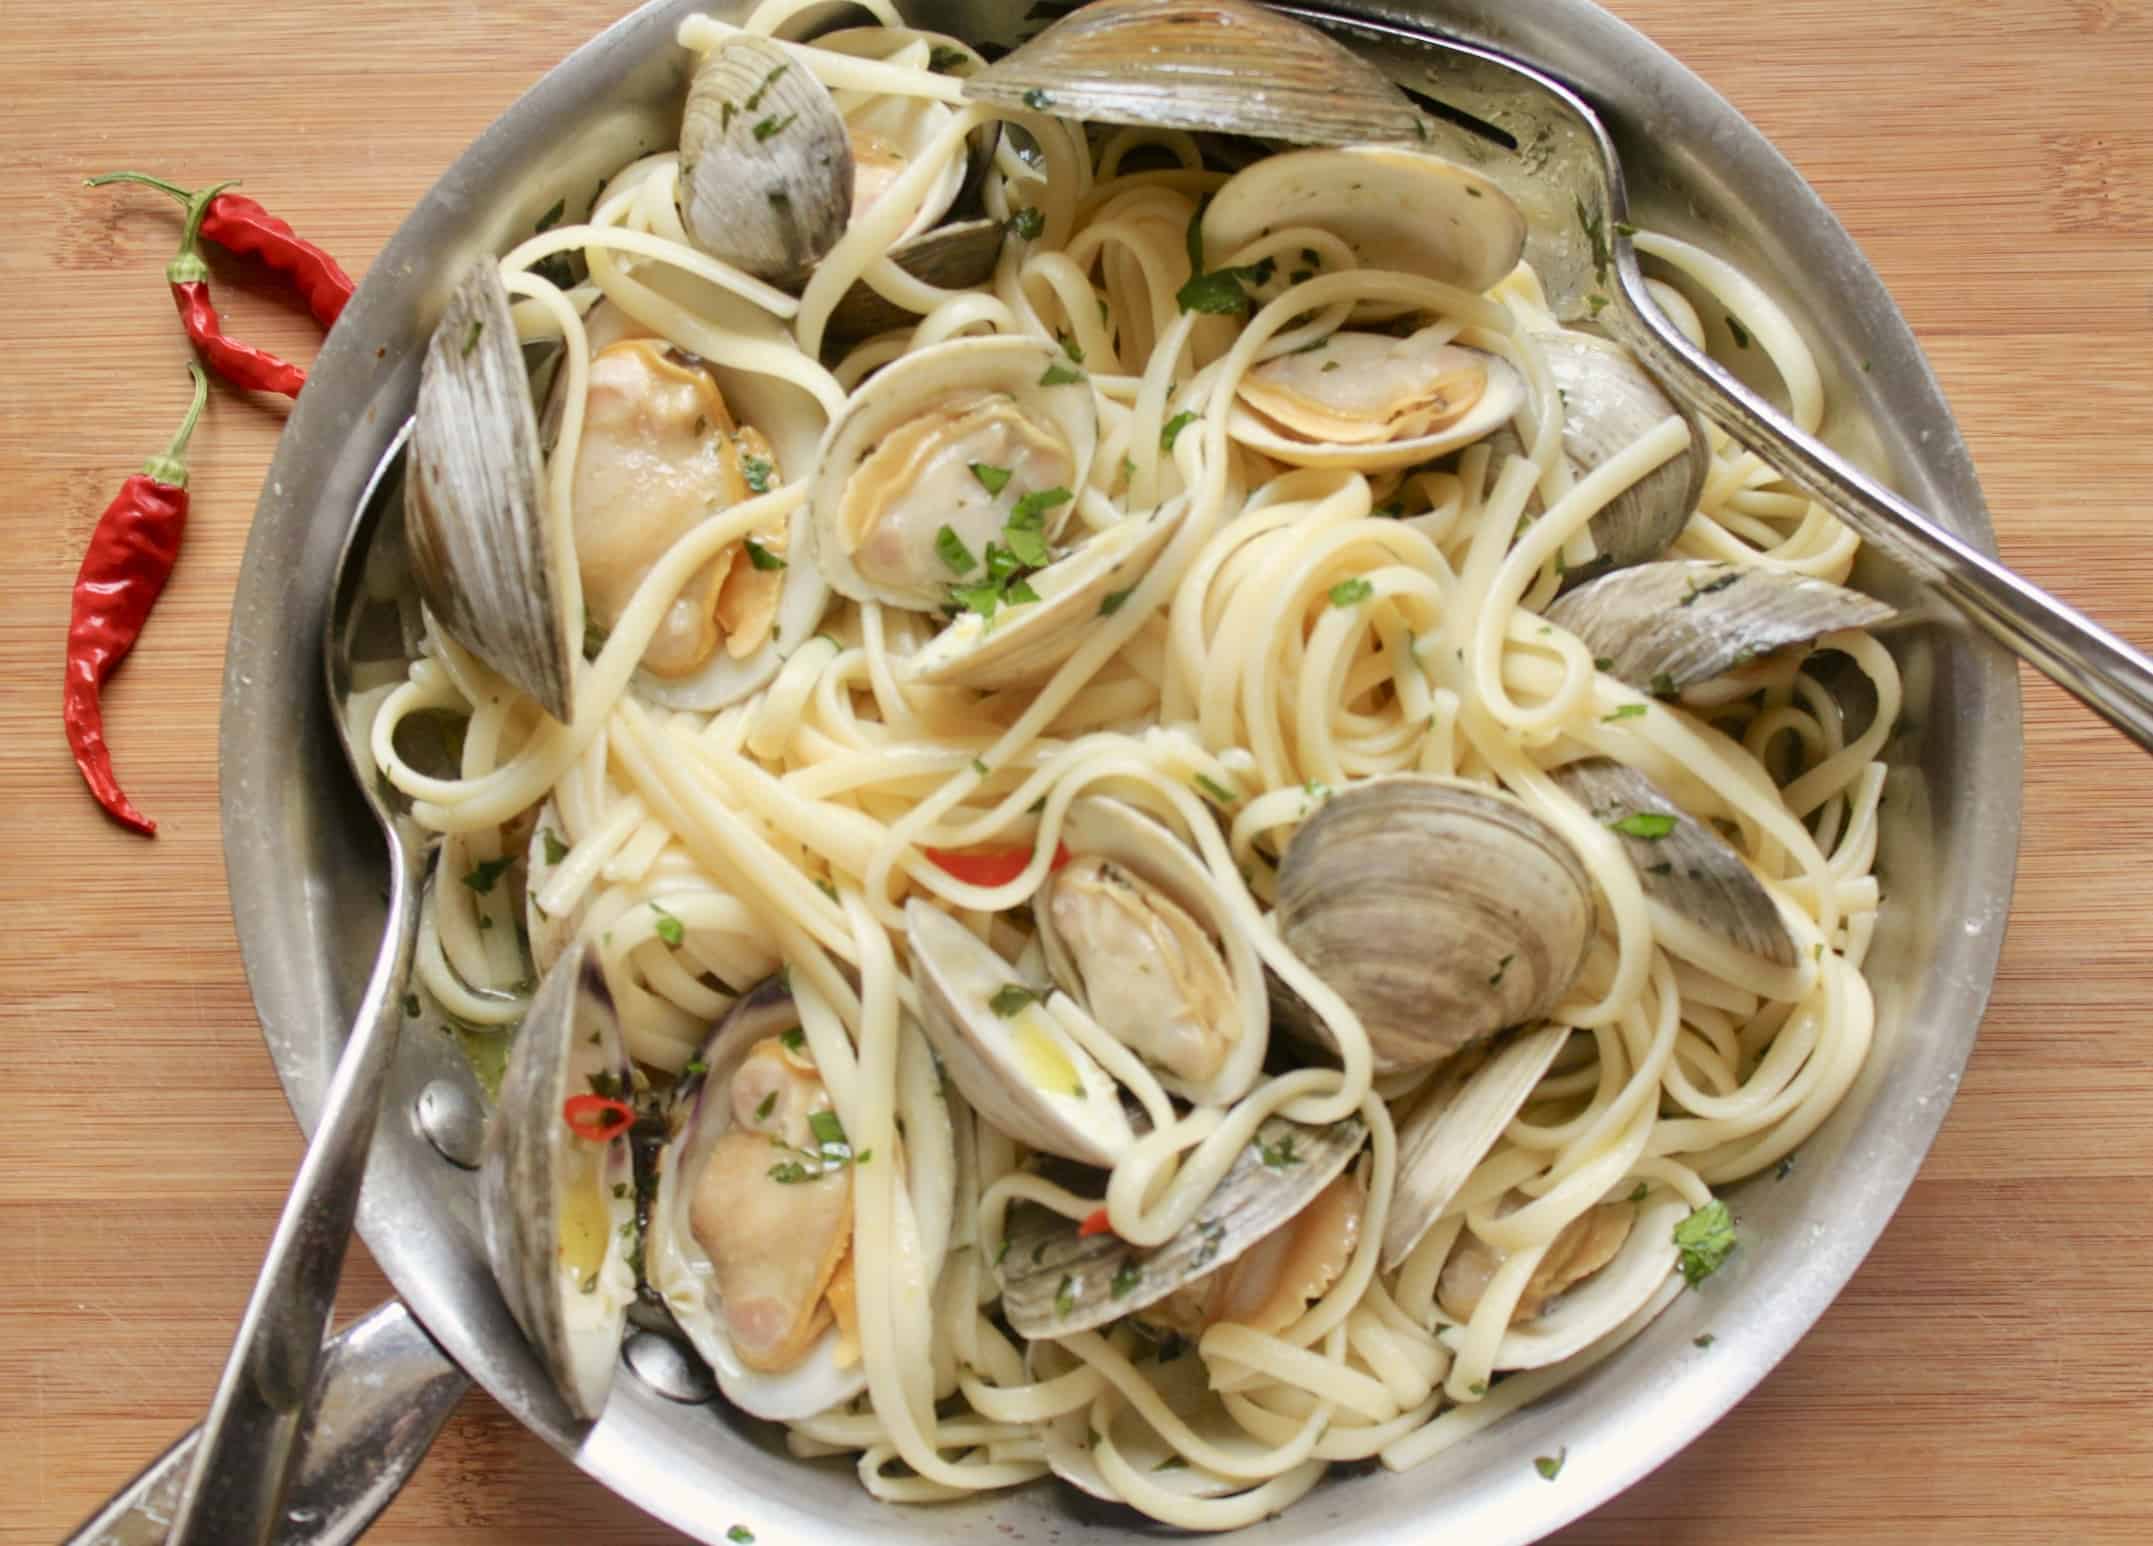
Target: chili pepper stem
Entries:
(105, 179)
(171, 466)
(188, 267)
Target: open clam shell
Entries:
(1452, 1128)
(489, 557)
(1590, 1309)
(1683, 864)
(1194, 1008)
(1056, 1280)
(557, 1209)
(676, 1263)
(1200, 64)
(951, 438)
(1666, 626)
(1008, 1057)
(1372, 402)
(958, 255)
(765, 160)
(1439, 910)
(1023, 643)
(1608, 402)
(1398, 208)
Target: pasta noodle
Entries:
(1302, 631)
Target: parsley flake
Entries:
(1741, 333)
(1111, 602)
(1126, 1277)
(1351, 593)
(1059, 374)
(1501, 968)
(1028, 223)
(1649, 825)
(556, 850)
(1627, 711)
(992, 479)
(1279, 1155)
(669, 927)
(769, 1104)
(1550, 1466)
(485, 873)
(941, 57)
(952, 551)
(1704, 1341)
(757, 471)
(761, 557)
(773, 125)
(1011, 998)
(1065, 1296)
(470, 339)
(1705, 1238)
(1217, 791)
(1173, 427)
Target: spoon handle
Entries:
(234, 1495)
(2086, 660)
(384, 1391)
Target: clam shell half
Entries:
(1200, 64)
(1056, 1281)
(490, 559)
(1439, 910)
(558, 1210)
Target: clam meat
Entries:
(1374, 401)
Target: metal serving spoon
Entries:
(359, 1439)
(1571, 186)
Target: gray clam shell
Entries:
(1440, 911)
(1049, 1265)
(1197, 64)
(525, 1163)
(765, 161)
(1661, 627)
(956, 256)
(1692, 870)
(483, 549)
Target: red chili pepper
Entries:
(241, 364)
(238, 224)
(131, 553)
(990, 866)
(1094, 1224)
(599, 1118)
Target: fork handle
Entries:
(242, 1463)
(2079, 655)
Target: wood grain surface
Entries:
(1986, 1376)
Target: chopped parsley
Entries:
(669, 927)
(761, 557)
(1741, 333)
(1627, 711)
(1173, 427)
(1478, 1387)
(757, 471)
(1641, 1191)
(1028, 223)
(1351, 593)
(1663, 685)
(1033, 506)
(1172, 1463)
(1071, 348)
(1550, 1466)
(1732, 576)
(1065, 1296)
(1011, 998)
(756, 99)
(1215, 790)
(1705, 1238)
(1603, 662)
(774, 125)
(551, 217)
(1704, 1341)
(980, 768)
(1649, 825)
(1111, 602)
(942, 57)
(470, 339)
(769, 1104)
(556, 850)
(411, 1006)
(951, 549)
(1217, 294)
(794, 1040)
(1502, 968)
(1059, 374)
(1595, 225)
(485, 873)
(1126, 1277)
(1279, 1155)
(992, 479)
(1214, 1238)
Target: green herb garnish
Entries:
(1126, 1277)
(950, 548)
(669, 927)
(1279, 1155)
(470, 339)
(1705, 1238)
(1171, 430)
(556, 850)
(1550, 1466)
(1217, 791)
(1649, 825)
(768, 1105)
(485, 873)
(1501, 968)
(1741, 333)
(1065, 1296)
(1028, 223)
(773, 125)
(1627, 711)
(1059, 374)
(761, 557)
(1011, 998)
(1111, 602)
(992, 479)
(757, 471)
(1351, 593)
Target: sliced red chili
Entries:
(990, 866)
(1095, 1223)
(600, 1118)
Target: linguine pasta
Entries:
(1302, 631)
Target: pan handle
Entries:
(383, 1391)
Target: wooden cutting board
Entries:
(1986, 1376)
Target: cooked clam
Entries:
(1194, 64)
(1609, 402)
(1454, 1124)
(491, 559)
(1398, 208)
(1006, 1053)
(1601, 1269)
(1135, 929)
(751, 1229)
(1439, 911)
(1372, 401)
(1681, 863)
(765, 161)
(1670, 626)
(557, 1205)
(1056, 1280)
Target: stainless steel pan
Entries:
(306, 873)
